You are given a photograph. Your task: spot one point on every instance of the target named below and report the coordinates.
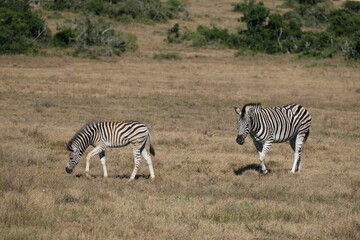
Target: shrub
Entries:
(154, 10)
(16, 5)
(20, 29)
(61, 5)
(273, 33)
(100, 39)
(311, 15)
(166, 56)
(317, 44)
(174, 35)
(270, 33)
(145, 10)
(64, 38)
(204, 36)
(174, 7)
(353, 51)
(343, 23)
(352, 6)
(216, 35)
(255, 15)
(309, 2)
(95, 6)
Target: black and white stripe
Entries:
(102, 135)
(274, 125)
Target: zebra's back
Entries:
(118, 134)
(286, 121)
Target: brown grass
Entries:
(207, 186)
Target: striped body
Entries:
(274, 125)
(279, 124)
(102, 135)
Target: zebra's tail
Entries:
(152, 149)
(307, 134)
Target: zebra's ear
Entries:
(237, 110)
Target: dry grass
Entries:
(207, 186)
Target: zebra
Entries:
(278, 124)
(111, 134)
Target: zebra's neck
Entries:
(81, 141)
(255, 125)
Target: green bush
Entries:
(309, 2)
(174, 35)
(255, 15)
(214, 35)
(343, 22)
(95, 6)
(311, 15)
(204, 36)
(20, 28)
(127, 10)
(61, 5)
(352, 6)
(273, 33)
(353, 51)
(166, 56)
(174, 7)
(98, 38)
(16, 5)
(270, 33)
(317, 44)
(64, 38)
(140, 9)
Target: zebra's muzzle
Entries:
(68, 170)
(240, 140)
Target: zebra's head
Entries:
(74, 158)
(243, 124)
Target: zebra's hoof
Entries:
(88, 175)
(68, 170)
(264, 171)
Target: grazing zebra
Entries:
(111, 134)
(274, 125)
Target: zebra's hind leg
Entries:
(296, 144)
(149, 162)
(137, 161)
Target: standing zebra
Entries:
(111, 134)
(274, 125)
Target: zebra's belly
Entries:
(116, 144)
(274, 138)
(281, 141)
(283, 138)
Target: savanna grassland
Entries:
(206, 186)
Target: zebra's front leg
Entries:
(137, 161)
(103, 163)
(262, 149)
(94, 152)
(296, 144)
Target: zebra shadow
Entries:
(254, 167)
(127, 176)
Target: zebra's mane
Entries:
(82, 130)
(254, 105)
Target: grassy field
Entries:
(207, 186)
